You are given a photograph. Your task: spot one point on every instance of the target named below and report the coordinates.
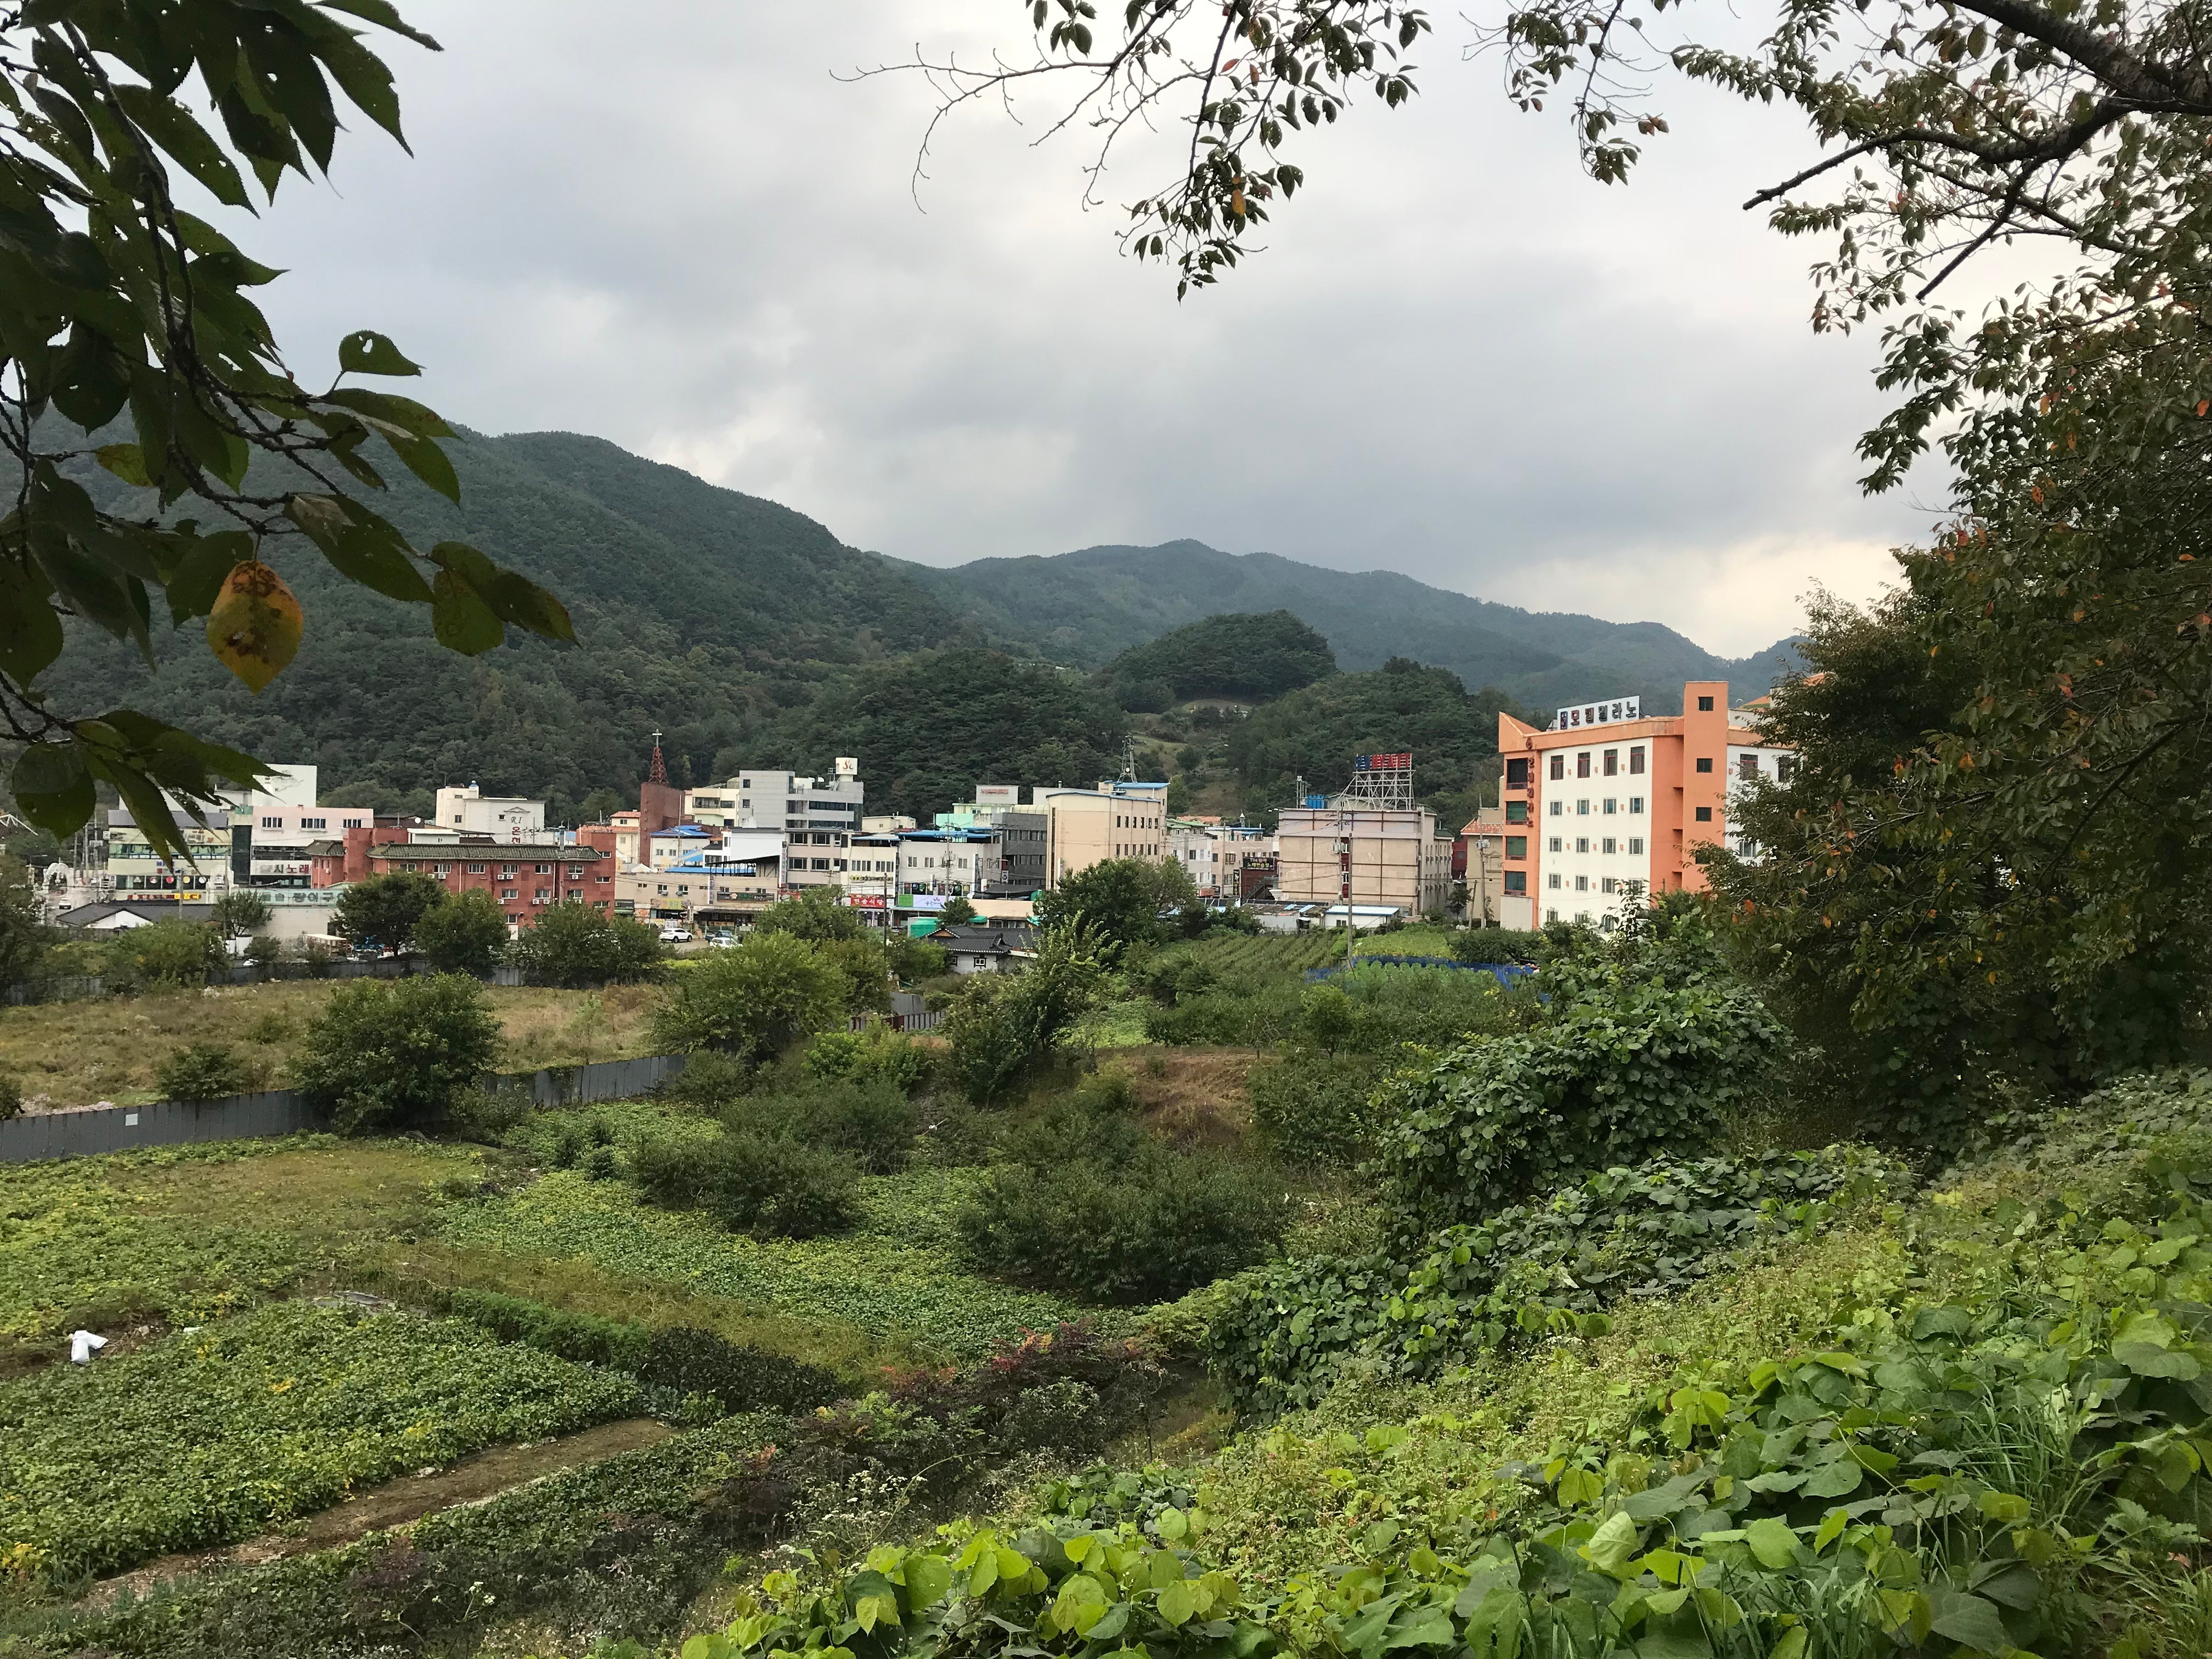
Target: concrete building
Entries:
(1479, 862)
(523, 875)
(985, 947)
(1215, 854)
(948, 862)
(1024, 835)
(1609, 798)
(134, 870)
(1385, 857)
(769, 799)
(473, 812)
(708, 889)
(1083, 827)
(272, 828)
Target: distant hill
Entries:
(1086, 607)
(747, 633)
(1232, 655)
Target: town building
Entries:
(985, 947)
(1024, 837)
(1083, 827)
(1388, 857)
(948, 862)
(525, 877)
(473, 812)
(711, 888)
(1609, 799)
(1215, 854)
(1479, 863)
(769, 799)
(134, 869)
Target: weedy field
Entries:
(72, 1054)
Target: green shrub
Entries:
(486, 1114)
(463, 933)
(202, 1071)
(1499, 944)
(871, 1121)
(576, 944)
(710, 1078)
(876, 1051)
(763, 1184)
(171, 953)
(1314, 1109)
(397, 1054)
(600, 1164)
(382, 910)
(1230, 1016)
(1003, 1025)
(1636, 1068)
(753, 1000)
(11, 1096)
(1091, 1206)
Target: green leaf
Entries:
(52, 787)
(1791, 1646)
(404, 412)
(174, 127)
(200, 574)
(1832, 1528)
(1967, 1619)
(509, 597)
(1178, 1602)
(359, 545)
(126, 462)
(1428, 1627)
(1613, 1545)
(382, 13)
(367, 352)
(1772, 1542)
(1171, 1524)
(1837, 1479)
(928, 1579)
(30, 631)
(426, 461)
(2149, 1359)
(1111, 1622)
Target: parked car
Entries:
(676, 936)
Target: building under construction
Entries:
(1369, 845)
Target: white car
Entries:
(676, 936)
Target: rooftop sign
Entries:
(1383, 763)
(1600, 714)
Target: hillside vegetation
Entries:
(1233, 655)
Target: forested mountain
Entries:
(750, 634)
(1233, 655)
(1086, 607)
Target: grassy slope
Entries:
(72, 1054)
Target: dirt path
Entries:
(471, 1480)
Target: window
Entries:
(1747, 766)
(1553, 882)
(476, 869)
(1582, 883)
(544, 870)
(817, 864)
(1559, 766)
(1558, 844)
(1635, 806)
(272, 824)
(603, 879)
(1636, 761)
(314, 823)
(1582, 809)
(1612, 806)
(349, 823)
(1558, 807)
(1516, 881)
(1705, 705)
(1582, 764)
(1635, 845)
(1517, 774)
(661, 889)
(1704, 815)
(508, 893)
(1581, 844)
(441, 871)
(1516, 847)
(545, 893)
(1784, 765)
(1608, 845)
(1705, 762)
(509, 871)
(1516, 811)
(1551, 915)
(1606, 884)
(1611, 762)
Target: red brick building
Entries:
(523, 876)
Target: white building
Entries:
(948, 860)
(472, 812)
(766, 800)
(1213, 854)
(284, 820)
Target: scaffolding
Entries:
(1380, 783)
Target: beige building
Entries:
(1484, 836)
(1386, 856)
(1083, 827)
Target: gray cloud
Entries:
(1458, 359)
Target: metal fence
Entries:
(284, 1111)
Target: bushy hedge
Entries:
(739, 1376)
(867, 1119)
(1277, 1336)
(1488, 945)
(1089, 1205)
(762, 1184)
(1633, 1068)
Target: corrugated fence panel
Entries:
(282, 1112)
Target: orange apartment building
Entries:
(1608, 797)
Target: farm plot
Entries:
(219, 1432)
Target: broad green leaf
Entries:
(175, 128)
(1832, 1528)
(1111, 1622)
(1792, 1645)
(383, 13)
(367, 352)
(200, 575)
(1613, 1545)
(2149, 1359)
(125, 462)
(30, 632)
(1967, 1619)
(1178, 1601)
(1171, 1524)
(1772, 1542)
(402, 412)
(1429, 1627)
(928, 1579)
(52, 789)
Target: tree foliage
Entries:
(115, 301)
(754, 1000)
(1122, 901)
(463, 933)
(383, 910)
(576, 944)
(238, 912)
(1004, 1025)
(397, 1054)
(1230, 656)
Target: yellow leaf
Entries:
(254, 628)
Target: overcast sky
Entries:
(1458, 358)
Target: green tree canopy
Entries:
(1232, 655)
(815, 915)
(754, 999)
(1121, 901)
(463, 933)
(397, 1054)
(382, 910)
(576, 943)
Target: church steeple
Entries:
(658, 772)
